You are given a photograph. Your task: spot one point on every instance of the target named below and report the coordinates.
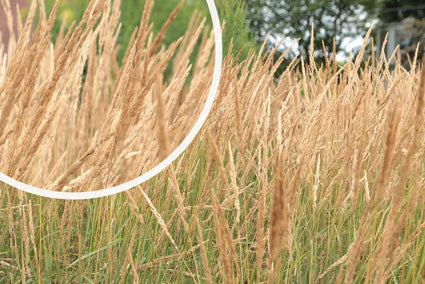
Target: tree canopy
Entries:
(293, 19)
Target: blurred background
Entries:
(339, 23)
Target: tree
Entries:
(398, 10)
(293, 19)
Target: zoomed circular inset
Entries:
(163, 164)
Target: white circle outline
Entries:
(167, 161)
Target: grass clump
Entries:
(315, 177)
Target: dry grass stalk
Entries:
(158, 217)
(205, 262)
(221, 242)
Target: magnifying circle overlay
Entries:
(167, 161)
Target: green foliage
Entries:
(230, 11)
(234, 13)
(131, 14)
(293, 19)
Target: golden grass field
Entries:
(315, 177)
(83, 122)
